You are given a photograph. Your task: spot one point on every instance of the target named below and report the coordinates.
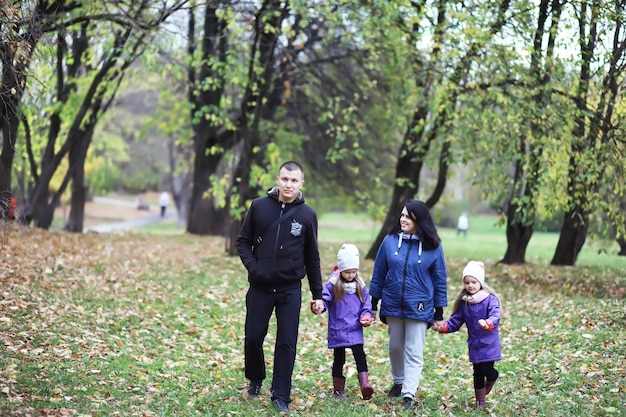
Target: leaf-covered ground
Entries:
(142, 325)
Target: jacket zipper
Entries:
(282, 208)
(406, 261)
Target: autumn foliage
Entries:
(142, 325)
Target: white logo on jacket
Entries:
(296, 228)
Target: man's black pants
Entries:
(259, 308)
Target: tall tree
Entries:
(22, 24)
(594, 125)
(257, 102)
(520, 207)
(429, 124)
(255, 81)
(207, 94)
(117, 43)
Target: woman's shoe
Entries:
(407, 402)
(395, 391)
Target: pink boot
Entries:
(489, 384)
(366, 388)
(339, 386)
(480, 398)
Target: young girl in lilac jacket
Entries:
(479, 308)
(349, 310)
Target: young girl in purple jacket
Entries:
(349, 308)
(479, 308)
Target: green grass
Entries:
(147, 325)
(486, 240)
(166, 227)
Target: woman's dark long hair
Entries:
(426, 229)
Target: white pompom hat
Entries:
(475, 269)
(348, 257)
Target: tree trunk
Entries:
(572, 237)
(77, 157)
(519, 226)
(622, 246)
(204, 217)
(46, 214)
(179, 183)
(182, 198)
(75, 221)
(17, 50)
(9, 133)
(231, 236)
(407, 167)
(517, 237)
(9, 123)
(209, 144)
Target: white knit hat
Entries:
(475, 269)
(348, 257)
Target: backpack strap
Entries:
(259, 238)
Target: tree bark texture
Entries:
(572, 237)
(622, 246)
(517, 237)
(205, 218)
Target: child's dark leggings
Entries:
(482, 371)
(340, 360)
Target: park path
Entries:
(127, 224)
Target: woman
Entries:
(409, 277)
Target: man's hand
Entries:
(317, 306)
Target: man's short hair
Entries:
(292, 166)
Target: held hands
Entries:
(317, 306)
(367, 321)
(382, 318)
(437, 326)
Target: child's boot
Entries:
(480, 397)
(489, 384)
(339, 386)
(366, 388)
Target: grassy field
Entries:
(142, 324)
(486, 240)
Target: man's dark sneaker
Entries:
(280, 406)
(407, 402)
(254, 389)
(395, 391)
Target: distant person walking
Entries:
(164, 201)
(478, 307)
(462, 225)
(349, 310)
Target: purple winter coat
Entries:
(344, 328)
(483, 345)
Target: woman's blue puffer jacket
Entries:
(409, 281)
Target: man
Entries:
(278, 246)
